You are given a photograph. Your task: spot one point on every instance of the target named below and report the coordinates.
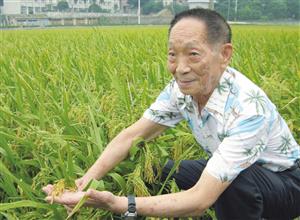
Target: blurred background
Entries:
(41, 13)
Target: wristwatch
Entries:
(131, 212)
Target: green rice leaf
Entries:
(120, 180)
(22, 204)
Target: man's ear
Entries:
(226, 52)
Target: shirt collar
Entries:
(217, 101)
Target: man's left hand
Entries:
(96, 199)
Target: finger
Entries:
(48, 189)
(78, 182)
(68, 208)
(67, 198)
(92, 193)
(55, 199)
(49, 199)
(81, 187)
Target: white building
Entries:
(27, 6)
(41, 6)
(199, 3)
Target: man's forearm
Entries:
(182, 204)
(116, 151)
(192, 202)
(118, 148)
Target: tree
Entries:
(62, 6)
(293, 9)
(259, 9)
(116, 7)
(222, 6)
(176, 8)
(152, 7)
(251, 10)
(134, 3)
(277, 9)
(96, 8)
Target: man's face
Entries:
(195, 64)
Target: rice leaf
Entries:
(22, 204)
(120, 180)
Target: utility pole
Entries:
(139, 11)
(228, 10)
(235, 10)
(211, 4)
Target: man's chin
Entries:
(186, 91)
(192, 92)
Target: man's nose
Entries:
(182, 66)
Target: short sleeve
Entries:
(244, 142)
(164, 110)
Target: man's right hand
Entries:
(82, 182)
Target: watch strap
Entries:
(131, 204)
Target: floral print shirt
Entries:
(238, 126)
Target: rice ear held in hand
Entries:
(60, 186)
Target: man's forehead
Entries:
(187, 39)
(184, 42)
(188, 30)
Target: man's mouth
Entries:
(185, 83)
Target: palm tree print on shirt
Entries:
(224, 178)
(222, 87)
(285, 143)
(258, 99)
(187, 104)
(162, 115)
(170, 115)
(223, 135)
(228, 82)
(253, 152)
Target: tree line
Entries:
(263, 10)
(232, 10)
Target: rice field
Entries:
(64, 94)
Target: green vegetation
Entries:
(259, 10)
(64, 94)
(62, 6)
(152, 7)
(96, 8)
(245, 10)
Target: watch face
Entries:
(130, 215)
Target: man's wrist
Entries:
(119, 205)
(90, 174)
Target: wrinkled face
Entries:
(195, 64)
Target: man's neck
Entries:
(201, 100)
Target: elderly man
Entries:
(253, 171)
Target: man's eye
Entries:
(171, 54)
(194, 54)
